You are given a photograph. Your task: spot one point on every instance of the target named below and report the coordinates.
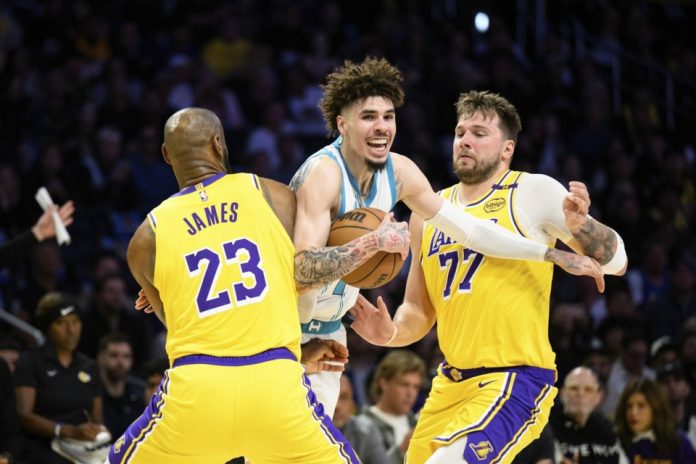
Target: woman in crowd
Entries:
(646, 428)
(57, 388)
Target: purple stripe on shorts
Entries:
(270, 355)
(509, 421)
(330, 431)
(123, 448)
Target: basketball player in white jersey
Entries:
(358, 170)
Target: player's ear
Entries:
(165, 155)
(219, 146)
(341, 124)
(508, 149)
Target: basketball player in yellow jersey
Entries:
(494, 391)
(216, 263)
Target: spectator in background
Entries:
(9, 352)
(667, 313)
(360, 431)
(630, 365)
(599, 361)
(646, 428)
(663, 351)
(582, 434)
(42, 230)
(122, 395)
(395, 387)
(153, 372)
(57, 387)
(681, 399)
(111, 312)
(540, 451)
(9, 428)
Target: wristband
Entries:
(393, 336)
(56, 429)
(619, 260)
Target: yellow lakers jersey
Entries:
(224, 270)
(490, 312)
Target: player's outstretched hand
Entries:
(373, 323)
(393, 237)
(323, 355)
(143, 304)
(576, 206)
(577, 265)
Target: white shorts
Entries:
(326, 385)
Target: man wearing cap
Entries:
(582, 434)
(671, 377)
(57, 388)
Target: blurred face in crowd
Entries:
(113, 294)
(116, 360)
(638, 413)
(151, 383)
(676, 387)
(368, 127)
(580, 394)
(346, 405)
(400, 393)
(634, 357)
(65, 332)
(479, 147)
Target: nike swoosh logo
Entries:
(51, 373)
(483, 384)
(66, 311)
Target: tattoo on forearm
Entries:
(319, 266)
(597, 241)
(301, 175)
(398, 182)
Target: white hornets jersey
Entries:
(336, 298)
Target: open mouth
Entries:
(378, 143)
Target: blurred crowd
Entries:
(606, 92)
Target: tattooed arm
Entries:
(589, 235)
(544, 207)
(317, 187)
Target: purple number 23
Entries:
(243, 251)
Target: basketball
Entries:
(380, 268)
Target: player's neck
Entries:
(360, 171)
(471, 192)
(192, 175)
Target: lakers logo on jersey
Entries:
(494, 204)
(119, 443)
(481, 449)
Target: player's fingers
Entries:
(337, 349)
(382, 305)
(364, 303)
(600, 283)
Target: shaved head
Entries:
(191, 129)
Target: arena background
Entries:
(606, 91)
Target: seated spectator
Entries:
(358, 430)
(663, 351)
(632, 364)
(57, 387)
(682, 400)
(153, 372)
(110, 312)
(395, 386)
(122, 396)
(540, 451)
(582, 435)
(9, 429)
(645, 426)
(42, 230)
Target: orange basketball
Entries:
(379, 269)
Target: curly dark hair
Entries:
(489, 104)
(353, 82)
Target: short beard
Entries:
(477, 174)
(374, 166)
